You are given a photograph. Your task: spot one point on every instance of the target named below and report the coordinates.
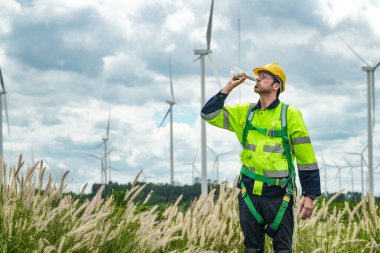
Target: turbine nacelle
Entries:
(170, 102)
(202, 51)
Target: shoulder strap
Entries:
(248, 124)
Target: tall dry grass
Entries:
(36, 216)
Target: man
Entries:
(272, 135)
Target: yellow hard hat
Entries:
(276, 71)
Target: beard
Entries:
(260, 90)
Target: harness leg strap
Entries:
(250, 205)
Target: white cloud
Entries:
(67, 64)
(179, 20)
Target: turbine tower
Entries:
(106, 158)
(370, 112)
(202, 53)
(3, 94)
(216, 161)
(170, 110)
(362, 161)
(194, 168)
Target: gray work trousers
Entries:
(254, 235)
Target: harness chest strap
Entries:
(270, 229)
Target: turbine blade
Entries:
(195, 157)
(373, 99)
(348, 163)
(209, 27)
(111, 149)
(108, 124)
(212, 151)
(323, 159)
(226, 153)
(366, 146)
(183, 164)
(365, 161)
(352, 153)
(215, 162)
(6, 114)
(197, 170)
(92, 155)
(166, 115)
(97, 146)
(214, 70)
(1, 80)
(171, 80)
(196, 59)
(357, 55)
(114, 169)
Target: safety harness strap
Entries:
(270, 181)
(270, 229)
(249, 204)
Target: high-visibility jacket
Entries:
(263, 154)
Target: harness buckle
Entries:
(271, 133)
(270, 231)
(283, 182)
(243, 192)
(289, 190)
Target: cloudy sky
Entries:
(68, 64)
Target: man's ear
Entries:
(276, 85)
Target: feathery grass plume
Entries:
(148, 197)
(30, 172)
(136, 193)
(136, 178)
(36, 222)
(20, 164)
(49, 249)
(62, 185)
(61, 243)
(41, 178)
(94, 202)
(129, 193)
(83, 189)
(48, 184)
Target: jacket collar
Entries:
(273, 105)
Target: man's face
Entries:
(264, 83)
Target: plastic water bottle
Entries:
(238, 73)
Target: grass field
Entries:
(36, 216)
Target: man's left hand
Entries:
(306, 208)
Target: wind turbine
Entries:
(170, 110)
(338, 173)
(370, 110)
(194, 168)
(103, 170)
(362, 160)
(3, 93)
(202, 53)
(216, 161)
(104, 142)
(352, 173)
